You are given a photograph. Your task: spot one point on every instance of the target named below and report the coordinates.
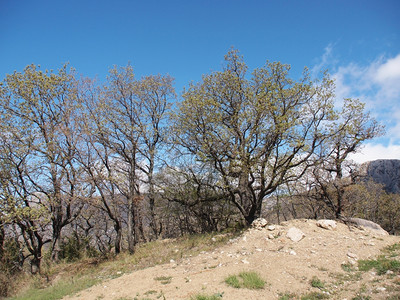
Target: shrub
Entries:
(248, 280)
(10, 264)
(75, 247)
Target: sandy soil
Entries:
(286, 266)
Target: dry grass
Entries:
(64, 279)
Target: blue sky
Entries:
(358, 41)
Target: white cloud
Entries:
(389, 71)
(377, 84)
(376, 151)
(326, 59)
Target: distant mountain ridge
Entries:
(383, 171)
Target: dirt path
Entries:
(286, 266)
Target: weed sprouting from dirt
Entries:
(248, 280)
(164, 279)
(317, 283)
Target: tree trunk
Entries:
(56, 246)
(118, 238)
(153, 222)
(2, 238)
(131, 225)
(35, 265)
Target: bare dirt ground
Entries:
(285, 265)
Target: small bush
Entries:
(361, 297)
(248, 280)
(314, 296)
(288, 296)
(75, 247)
(316, 283)
(381, 265)
(347, 267)
(233, 281)
(217, 296)
(10, 265)
(393, 248)
(10, 261)
(164, 279)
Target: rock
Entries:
(327, 224)
(292, 252)
(295, 234)
(352, 261)
(352, 255)
(259, 223)
(366, 224)
(271, 236)
(271, 227)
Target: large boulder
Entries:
(367, 225)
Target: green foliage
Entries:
(259, 131)
(216, 296)
(393, 249)
(314, 296)
(381, 265)
(361, 297)
(233, 281)
(10, 265)
(347, 267)
(288, 296)
(9, 257)
(317, 283)
(58, 290)
(248, 280)
(75, 248)
(164, 279)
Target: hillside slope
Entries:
(287, 267)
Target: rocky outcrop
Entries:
(383, 171)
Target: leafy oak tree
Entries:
(257, 132)
(39, 135)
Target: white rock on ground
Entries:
(259, 223)
(295, 234)
(327, 224)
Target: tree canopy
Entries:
(262, 130)
(115, 163)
